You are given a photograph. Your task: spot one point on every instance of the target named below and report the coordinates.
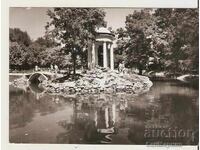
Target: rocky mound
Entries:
(102, 80)
(21, 83)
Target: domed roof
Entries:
(103, 30)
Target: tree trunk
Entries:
(140, 69)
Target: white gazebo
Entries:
(101, 51)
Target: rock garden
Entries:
(101, 80)
(96, 81)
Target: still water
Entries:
(167, 114)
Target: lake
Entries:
(167, 114)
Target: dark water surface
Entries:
(167, 114)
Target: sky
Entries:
(33, 19)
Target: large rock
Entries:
(21, 83)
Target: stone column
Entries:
(106, 117)
(96, 55)
(95, 118)
(113, 113)
(105, 62)
(93, 55)
(89, 58)
(111, 58)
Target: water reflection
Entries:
(105, 119)
(95, 124)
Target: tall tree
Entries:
(17, 55)
(19, 36)
(181, 26)
(132, 41)
(18, 48)
(74, 28)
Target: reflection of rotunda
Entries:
(105, 117)
(101, 51)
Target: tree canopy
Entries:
(160, 39)
(42, 52)
(21, 37)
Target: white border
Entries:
(69, 3)
(106, 3)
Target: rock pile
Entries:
(102, 80)
(21, 82)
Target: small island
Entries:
(99, 80)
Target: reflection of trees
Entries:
(184, 115)
(23, 106)
(20, 110)
(15, 91)
(136, 132)
(182, 110)
(175, 111)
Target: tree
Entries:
(19, 49)
(133, 42)
(45, 41)
(137, 50)
(181, 26)
(21, 37)
(53, 55)
(35, 54)
(158, 39)
(17, 55)
(74, 28)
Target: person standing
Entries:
(36, 68)
(123, 66)
(56, 69)
(120, 67)
(51, 67)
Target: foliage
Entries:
(53, 55)
(133, 43)
(166, 38)
(45, 41)
(183, 53)
(24, 57)
(16, 35)
(18, 55)
(42, 52)
(34, 54)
